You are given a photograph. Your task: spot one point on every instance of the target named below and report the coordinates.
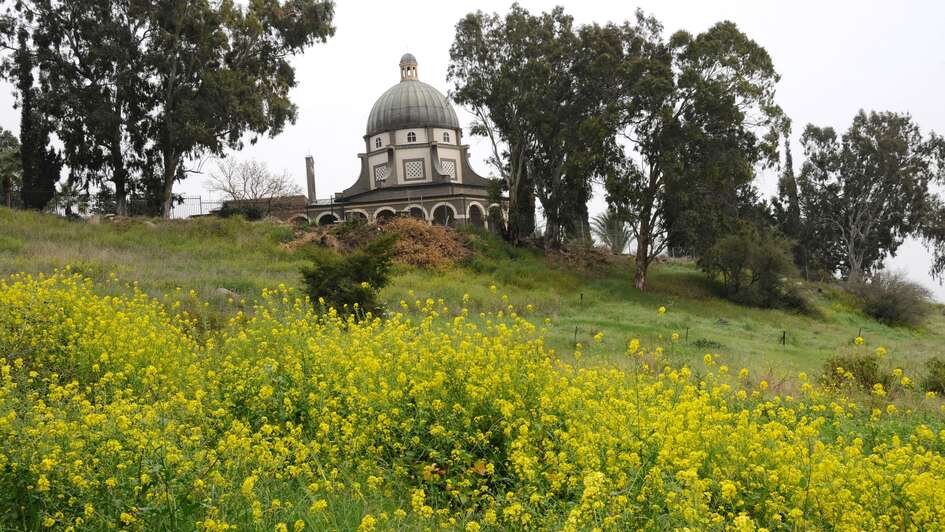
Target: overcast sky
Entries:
(834, 58)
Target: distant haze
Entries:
(834, 58)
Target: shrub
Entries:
(246, 211)
(892, 299)
(612, 231)
(753, 269)
(350, 282)
(863, 370)
(934, 381)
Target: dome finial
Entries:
(408, 67)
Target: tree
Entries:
(222, 71)
(491, 75)
(142, 87)
(11, 167)
(612, 231)
(40, 164)
(698, 115)
(541, 91)
(869, 189)
(574, 114)
(249, 181)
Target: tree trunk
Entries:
(171, 161)
(521, 202)
(7, 191)
(642, 262)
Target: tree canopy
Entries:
(698, 116)
(868, 189)
(139, 89)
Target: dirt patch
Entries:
(587, 259)
(418, 244)
(424, 245)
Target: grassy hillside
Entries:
(580, 299)
(137, 396)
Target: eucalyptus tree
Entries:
(91, 64)
(492, 74)
(541, 91)
(141, 88)
(220, 73)
(698, 117)
(868, 189)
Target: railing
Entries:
(184, 207)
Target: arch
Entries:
(475, 215)
(411, 136)
(444, 214)
(326, 218)
(299, 219)
(357, 214)
(417, 211)
(384, 213)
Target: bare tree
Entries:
(249, 181)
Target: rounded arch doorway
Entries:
(327, 219)
(444, 215)
(476, 217)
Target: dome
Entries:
(411, 103)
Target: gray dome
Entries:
(411, 103)
(408, 58)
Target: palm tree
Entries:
(611, 231)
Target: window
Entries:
(449, 168)
(411, 137)
(380, 174)
(413, 169)
(377, 142)
(446, 136)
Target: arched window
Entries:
(377, 142)
(446, 136)
(411, 137)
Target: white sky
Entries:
(834, 58)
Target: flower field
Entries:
(126, 412)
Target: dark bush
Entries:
(350, 282)
(246, 211)
(864, 368)
(934, 380)
(892, 299)
(754, 268)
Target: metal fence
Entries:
(194, 206)
(184, 207)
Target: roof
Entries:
(411, 103)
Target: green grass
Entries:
(209, 253)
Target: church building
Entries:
(414, 163)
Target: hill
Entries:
(174, 379)
(582, 296)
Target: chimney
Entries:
(310, 177)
